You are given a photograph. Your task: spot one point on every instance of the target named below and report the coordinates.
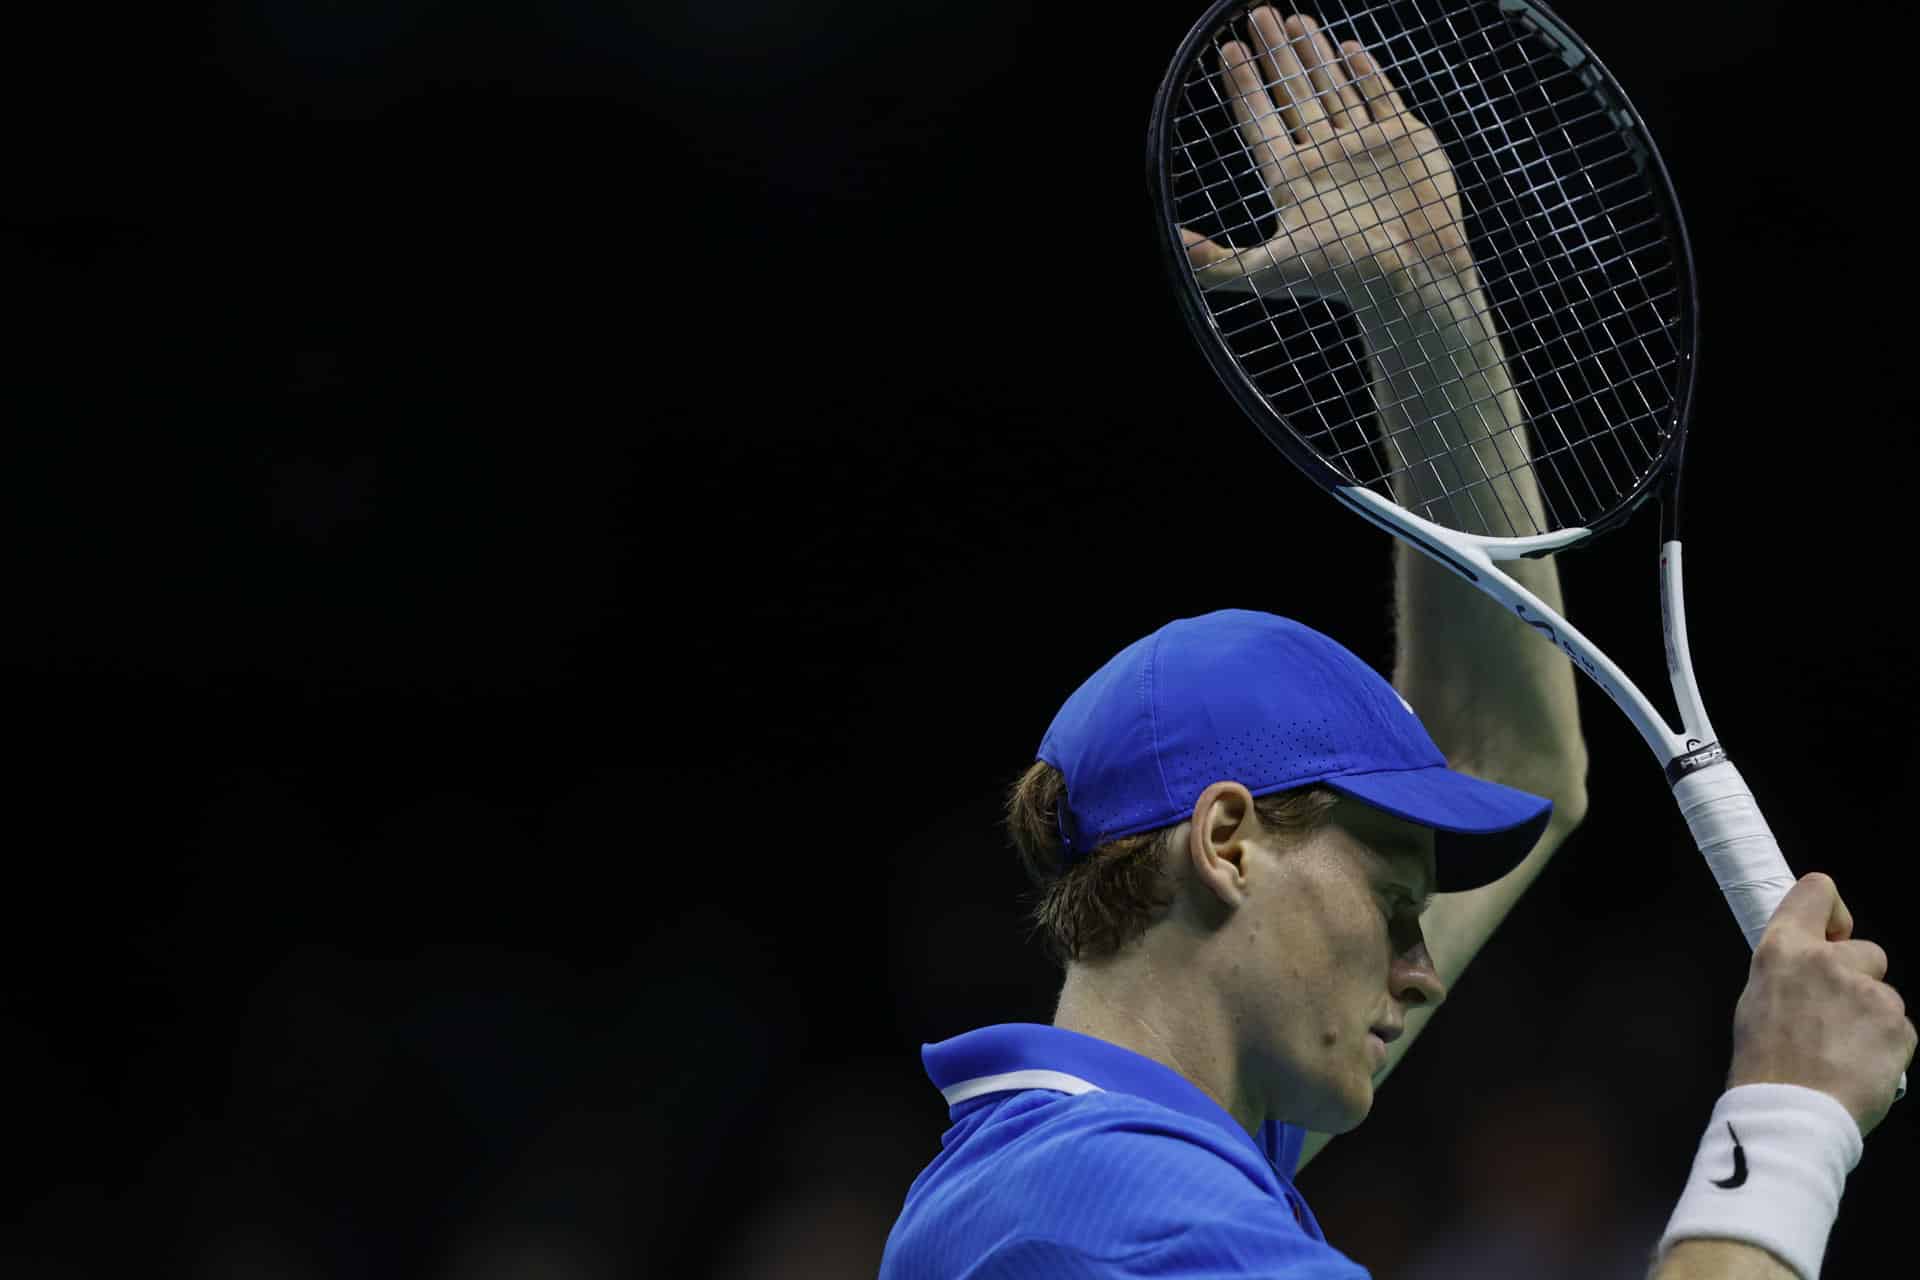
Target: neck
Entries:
(1128, 1000)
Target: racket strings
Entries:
(1584, 175)
(1512, 263)
(1575, 278)
(1547, 405)
(1257, 322)
(1492, 208)
(1446, 117)
(1427, 459)
(1187, 117)
(1498, 278)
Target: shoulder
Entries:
(1110, 1139)
(1045, 1184)
(1119, 1141)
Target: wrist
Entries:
(1769, 1172)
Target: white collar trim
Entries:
(1006, 1081)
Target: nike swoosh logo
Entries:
(1739, 1174)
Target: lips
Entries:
(1387, 1034)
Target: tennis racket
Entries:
(1432, 251)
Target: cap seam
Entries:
(1416, 768)
(1150, 673)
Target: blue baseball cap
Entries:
(1240, 696)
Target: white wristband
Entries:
(1769, 1172)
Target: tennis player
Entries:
(1262, 865)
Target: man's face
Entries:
(1338, 959)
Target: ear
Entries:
(1217, 837)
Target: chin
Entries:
(1343, 1108)
(1354, 1115)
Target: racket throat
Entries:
(1474, 557)
(1696, 729)
(1467, 555)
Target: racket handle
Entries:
(1740, 850)
(1737, 843)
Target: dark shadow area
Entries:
(537, 539)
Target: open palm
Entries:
(1363, 190)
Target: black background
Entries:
(537, 537)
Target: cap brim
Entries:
(1482, 830)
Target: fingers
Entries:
(1812, 908)
(1309, 83)
(1287, 77)
(1863, 957)
(1364, 74)
(1840, 922)
(1202, 252)
(1264, 133)
(1817, 1010)
(1326, 72)
(1215, 266)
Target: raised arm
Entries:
(1368, 209)
(1498, 699)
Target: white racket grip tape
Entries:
(1740, 850)
(1737, 843)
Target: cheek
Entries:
(1366, 946)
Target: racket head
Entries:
(1573, 223)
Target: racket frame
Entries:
(1663, 468)
(1474, 556)
(1477, 558)
(1718, 807)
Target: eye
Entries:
(1403, 920)
(1398, 900)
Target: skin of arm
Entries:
(1368, 210)
(1499, 701)
(1720, 1260)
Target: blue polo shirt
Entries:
(1070, 1158)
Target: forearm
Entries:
(1498, 701)
(1451, 421)
(1720, 1260)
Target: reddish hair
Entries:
(1092, 907)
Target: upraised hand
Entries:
(1364, 192)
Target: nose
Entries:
(1414, 979)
